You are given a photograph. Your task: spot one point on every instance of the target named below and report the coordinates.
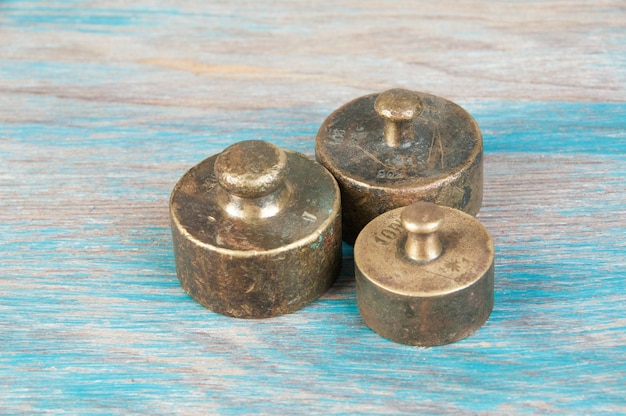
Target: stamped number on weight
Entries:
(389, 233)
(336, 136)
(389, 174)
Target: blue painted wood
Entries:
(103, 109)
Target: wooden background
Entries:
(104, 105)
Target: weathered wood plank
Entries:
(104, 106)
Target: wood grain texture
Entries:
(104, 105)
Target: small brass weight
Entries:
(390, 149)
(424, 274)
(256, 230)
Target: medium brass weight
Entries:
(424, 274)
(256, 230)
(390, 149)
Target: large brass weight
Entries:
(256, 230)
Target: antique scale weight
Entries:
(390, 149)
(256, 230)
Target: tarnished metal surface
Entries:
(391, 149)
(424, 274)
(256, 230)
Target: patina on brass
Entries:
(391, 149)
(256, 230)
(424, 274)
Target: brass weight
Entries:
(256, 230)
(391, 149)
(424, 274)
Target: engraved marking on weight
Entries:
(336, 136)
(389, 233)
(358, 137)
(389, 174)
(401, 165)
(453, 265)
(357, 134)
(209, 182)
(307, 216)
(407, 160)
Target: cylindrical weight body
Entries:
(256, 230)
(424, 279)
(391, 149)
